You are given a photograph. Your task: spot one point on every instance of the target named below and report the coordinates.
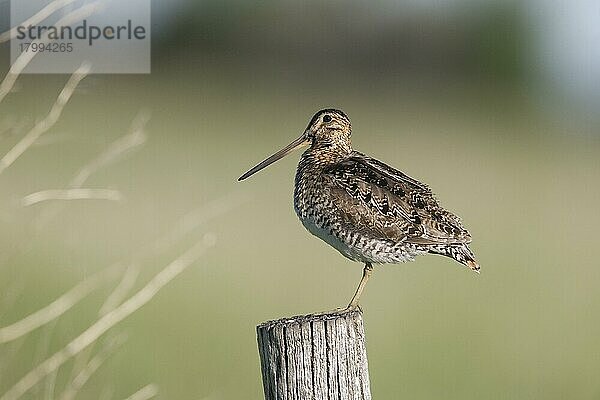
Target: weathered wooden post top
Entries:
(315, 356)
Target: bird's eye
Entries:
(326, 118)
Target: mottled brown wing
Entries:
(388, 204)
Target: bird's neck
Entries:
(323, 154)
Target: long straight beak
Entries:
(301, 141)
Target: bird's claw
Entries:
(347, 309)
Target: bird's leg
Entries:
(367, 271)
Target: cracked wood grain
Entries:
(314, 357)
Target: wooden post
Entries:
(315, 356)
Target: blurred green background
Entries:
(494, 104)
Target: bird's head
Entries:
(329, 127)
(328, 130)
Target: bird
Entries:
(368, 211)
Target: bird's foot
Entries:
(347, 309)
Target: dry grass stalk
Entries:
(58, 307)
(103, 324)
(190, 222)
(25, 58)
(71, 194)
(186, 225)
(135, 137)
(77, 383)
(49, 121)
(35, 19)
(145, 393)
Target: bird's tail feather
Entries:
(460, 253)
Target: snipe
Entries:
(365, 209)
